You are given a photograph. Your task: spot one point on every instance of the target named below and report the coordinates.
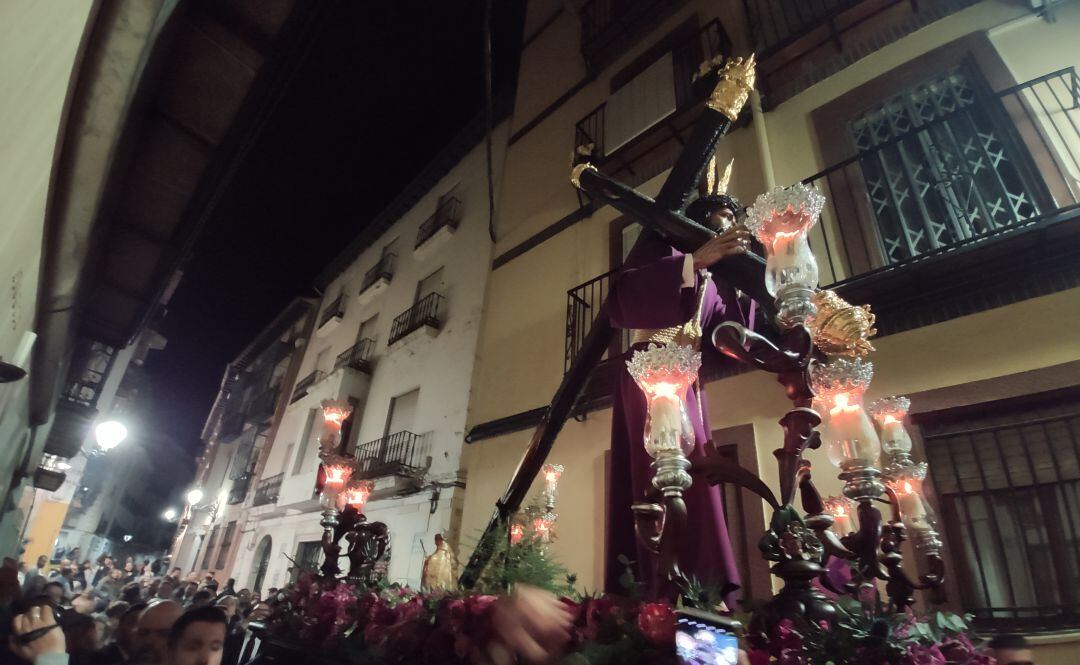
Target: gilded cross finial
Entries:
(575, 173)
(736, 81)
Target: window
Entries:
(301, 453)
(941, 166)
(367, 328)
(226, 545)
(308, 556)
(1008, 483)
(433, 283)
(402, 416)
(322, 361)
(210, 542)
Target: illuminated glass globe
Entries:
(110, 434)
(194, 496)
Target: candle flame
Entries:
(337, 474)
(517, 532)
(908, 488)
(664, 389)
(889, 419)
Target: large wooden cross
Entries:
(664, 216)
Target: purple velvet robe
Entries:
(649, 294)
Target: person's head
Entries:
(1010, 649)
(175, 573)
(719, 212)
(86, 565)
(228, 605)
(42, 561)
(55, 592)
(198, 637)
(129, 567)
(116, 610)
(84, 603)
(22, 567)
(202, 598)
(166, 588)
(80, 633)
(131, 593)
(230, 583)
(126, 626)
(152, 631)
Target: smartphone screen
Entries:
(705, 639)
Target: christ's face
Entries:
(722, 219)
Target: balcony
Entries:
(232, 424)
(357, 357)
(262, 407)
(423, 315)
(396, 454)
(378, 278)
(268, 490)
(610, 27)
(799, 43)
(439, 227)
(975, 209)
(305, 384)
(331, 316)
(634, 142)
(238, 491)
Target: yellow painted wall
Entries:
(44, 529)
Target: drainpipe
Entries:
(762, 136)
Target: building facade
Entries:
(945, 136)
(395, 336)
(253, 395)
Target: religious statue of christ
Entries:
(665, 296)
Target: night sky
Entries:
(384, 89)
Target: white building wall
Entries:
(440, 366)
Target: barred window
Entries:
(226, 545)
(1008, 482)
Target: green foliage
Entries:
(526, 562)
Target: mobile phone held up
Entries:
(703, 638)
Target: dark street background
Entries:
(384, 89)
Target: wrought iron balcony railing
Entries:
(232, 424)
(981, 166)
(384, 269)
(268, 490)
(262, 407)
(304, 384)
(645, 156)
(448, 214)
(609, 27)
(983, 169)
(357, 356)
(336, 309)
(424, 313)
(239, 489)
(399, 453)
(777, 24)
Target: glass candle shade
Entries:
(781, 220)
(848, 434)
(334, 415)
(914, 510)
(889, 414)
(664, 374)
(544, 525)
(356, 495)
(517, 532)
(551, 474)
(842, 510)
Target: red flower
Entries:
(656, 621)
(784, 636)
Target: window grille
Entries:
(1009, 491)
(941, 165)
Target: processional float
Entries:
(817, 351)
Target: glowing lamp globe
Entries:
(170, 514)
(781, 220)
(889, 414)
(335, 413)
(915, 512)
(544, 525)
(337, 475)
(194, 496)
(849, 436)
(110, 434)
(664, 374)
(358, 493)
(517, 532)
(842, 510)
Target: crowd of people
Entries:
(105, 612)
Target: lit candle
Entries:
(517, 532)
(840, 508)
(849, 432)
(790, 261)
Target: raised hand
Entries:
(735, 240)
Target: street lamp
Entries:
(110, 434)
(194, 496)
(169, 514)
